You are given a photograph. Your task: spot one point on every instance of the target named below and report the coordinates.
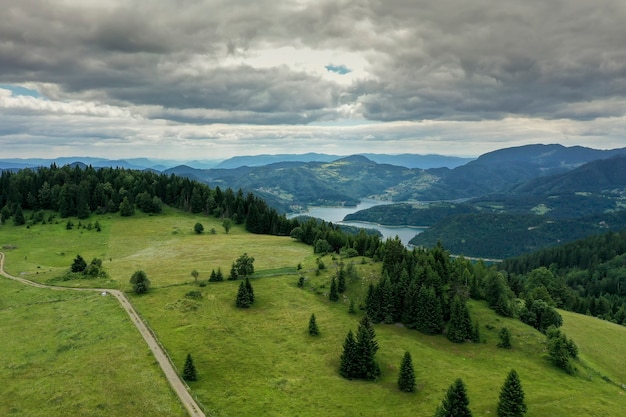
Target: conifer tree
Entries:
(372, 303)
(460, 325)
(428, 315)
(218, 275)
(511, 403)
(189, 371)
(213, 276)
(333, 295)
(341, 280)
(455, 403)
(243, 297)
(18, 216)
(313, 329)
(347, 367)
(406, 379)
(366, 348)
(233, 273)
(79, 264)
(250, 290)
(505, 338)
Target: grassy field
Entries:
(262, 361)
(73, 353)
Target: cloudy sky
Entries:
(196, 79)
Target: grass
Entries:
(262, 361)
(71, 353)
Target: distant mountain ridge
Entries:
(405, 160)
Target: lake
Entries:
(336, 215)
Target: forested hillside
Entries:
(587, 276)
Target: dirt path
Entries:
(168, 369)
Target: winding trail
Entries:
(159, 353)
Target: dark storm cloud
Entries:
(446, 60)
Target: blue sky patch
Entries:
(339, 69)
(17, 90)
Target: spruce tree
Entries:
(218, 275)
(189, 371)
(341, 281)
(460, 325)
(347, 367)
(511, 403)
(243, 297)
(428, 315)
(213, 276)
(79, 264)
(233, 273)
(455, 403)
(505, 338)
(313, 329)
(406, 379)
(250, 290)
(18, 216)
(333, 295)
(366, 348)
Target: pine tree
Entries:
(213, 276)
(189, 371)
(347, 367)
(333, 295)
(455, 403)
(511, 403)
(406, 379)
(460, 325)
(341, 281)
(243, 297)
(505, 338)
(18, 216)
(250, 290)
(79, 264)
(313, 329)
(366, 348)
(233, 273)
(219, 276)
(428, 315)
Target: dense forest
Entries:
(587, 276)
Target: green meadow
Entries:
(260, 361)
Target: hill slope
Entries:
(261, 361)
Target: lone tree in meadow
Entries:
(456, 402)
(189, 371)
(348, 364)
(198, 228)
(406, 379)
(140, 282)
(195, 274)
(511, 403)
(244, 266)
(227, 224)
(313, 329)
(243, 296)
